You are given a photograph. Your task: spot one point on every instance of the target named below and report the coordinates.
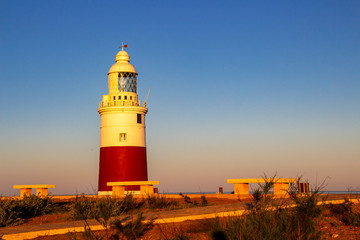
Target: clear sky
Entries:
(238, 89)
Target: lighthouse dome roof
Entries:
(122, 63)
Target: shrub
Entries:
(9, 213)
(32, 206)
(346, 213)
(14, 212)
(179, 235)
(131, 229)
(102, 209)
(261, 196)
(128, 204)
(305, 213)
(188, 200)
(266, 224)
(270, 219)
(204, 201)
(89, 208)
(160, 202)
(83, 208)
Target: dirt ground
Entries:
(333, 228)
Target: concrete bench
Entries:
(146, 187)
(281, 185)
(40, 189)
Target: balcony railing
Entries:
(121, 103)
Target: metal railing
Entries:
(121, 103)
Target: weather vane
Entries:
(123, 46)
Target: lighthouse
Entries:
(122, 128)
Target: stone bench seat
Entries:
(281, 185)
(41, 189)
(146, 187)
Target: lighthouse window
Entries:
(122, 137)
(127, 82)
(139, 118)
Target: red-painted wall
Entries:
(122, 164)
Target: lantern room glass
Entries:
(127, 82)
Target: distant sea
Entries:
(189, 193)
(340, 192)
(322, 192)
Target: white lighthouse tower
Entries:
(122, 129)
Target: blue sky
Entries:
(238, 89)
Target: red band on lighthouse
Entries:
(122, 164)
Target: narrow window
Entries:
(122, 137)
(114, 98)
(125, 97)
(139, 118)
(119, 97)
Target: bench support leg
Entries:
(281, 188)
(42, 191)
(303, 187)
(118, 190)
(146, 189)
(25, 191)
(241, 188)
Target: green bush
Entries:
(346, 213)
(102, 209)
(305, 213)
(160, 202)
(9, 213)
(84, 208)
(179, 235)
(32, 206)
(270, 218)
(188, 201)
(204, 201)
(277, 224)
(128, 204)
(14, 212)
(131, 229)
